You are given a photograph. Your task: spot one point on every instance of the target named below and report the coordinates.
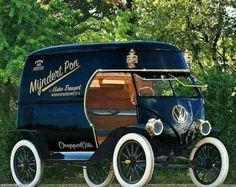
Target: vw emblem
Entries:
(179, 114)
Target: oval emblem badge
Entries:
(179, 114)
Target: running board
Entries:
(170, 162)
(70, 156)
(173, 166)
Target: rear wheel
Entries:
(99, 174)
(210, 162)
(26, 165)
(133, 160)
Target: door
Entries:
(110, 102)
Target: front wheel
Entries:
(210, 162)
(99, 174)
(26, 165)
(133, 160)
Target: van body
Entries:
(91, 103)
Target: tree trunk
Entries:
(218, 33)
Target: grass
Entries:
(73, 174)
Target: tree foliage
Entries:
(202, 28)
(220, 106)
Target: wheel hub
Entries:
(22, 165)
(127, 162)
(131, 162)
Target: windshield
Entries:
(165, 86)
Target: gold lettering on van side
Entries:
(43, 84)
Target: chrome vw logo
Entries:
(179, 114)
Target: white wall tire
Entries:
(133, 160)
(217, 169)
(26, 165)
(103, 169)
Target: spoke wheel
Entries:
(99, 174)
(133, 160)
(209, 163)
(26, 166)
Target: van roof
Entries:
(96, 47)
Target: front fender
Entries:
(37, 138)
(106, 149)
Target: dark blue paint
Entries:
(63, 118)
(161, 107)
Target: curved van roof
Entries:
(118, 55)
(96, 47)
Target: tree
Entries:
(92, 23)
(27, 25)
(199, 27)
(21, 31)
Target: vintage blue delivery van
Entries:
(117, 109)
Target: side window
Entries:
(110, 101)
(162, 88)
(153, 87)
(144, 87)
(184, 91)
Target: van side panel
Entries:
(51, 101)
